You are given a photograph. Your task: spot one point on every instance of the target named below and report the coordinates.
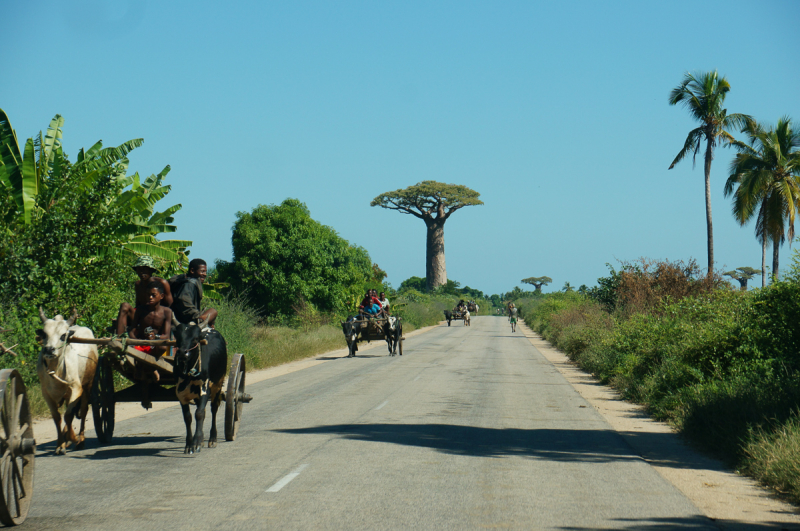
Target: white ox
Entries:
(66, 371)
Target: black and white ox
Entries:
(201, 363)
(66, 371)
(355, 329)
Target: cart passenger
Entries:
(384, 303)
(188, 290)
(152, 321)
(145, 267)
(370, 305)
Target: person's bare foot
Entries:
(156, 376)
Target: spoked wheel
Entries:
(18, 449)
(103, 401)
(235, 397)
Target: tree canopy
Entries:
(71, 230)
(537, 282)
(428, 199)
(432, 202)
(703, 95)
(281, 256)
(742, 275)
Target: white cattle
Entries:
(66, 371)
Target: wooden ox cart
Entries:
(457, 315)
(135, 365)
(389, 329)
(17, 447)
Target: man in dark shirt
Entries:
(188, 293)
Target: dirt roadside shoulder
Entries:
(45, 429)
(731, 500)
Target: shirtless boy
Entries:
(152, 321)
(152, 316)
(144, 267)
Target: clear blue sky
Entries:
(556, 112)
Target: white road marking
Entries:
(286, 479)
(383, 404)
(417, 378)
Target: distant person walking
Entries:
(512, 316)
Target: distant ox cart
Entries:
(360, 328)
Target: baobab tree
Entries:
(537, 282)
(742, 275)
(433, 203)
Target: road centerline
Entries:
(285, 480)
(382, 404)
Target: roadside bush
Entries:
(645, 284)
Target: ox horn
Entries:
(203, 324)
(42, 316)
(73, 318)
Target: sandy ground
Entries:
(723, 495)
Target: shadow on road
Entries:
(691, 522)
(121, 447)
(552, 444)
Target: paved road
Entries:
(471, 428)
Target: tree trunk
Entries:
(775, 249)
(764, 263)
(435, 270)
(709, 225)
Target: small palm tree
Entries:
(766, 177)
(703, 94)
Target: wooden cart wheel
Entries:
(18, 449)
(234, 395)
(103, 401)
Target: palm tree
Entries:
(767, 172)
(703, 94)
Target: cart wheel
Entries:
(103, 401)
(18, 448)
(401, 342)
(234, 397)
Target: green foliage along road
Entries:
(282, 256)
(719, 364)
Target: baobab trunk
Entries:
(435, 270)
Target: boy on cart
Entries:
(145, 268)
(152, 321)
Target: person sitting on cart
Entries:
(461, 306)
(370, 306)
(145, 267)
(188, 290)
(152, 321)
(384, 303)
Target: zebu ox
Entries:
(356, 329)
(201, 363)
(66, 371)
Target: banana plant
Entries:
(34, 178)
